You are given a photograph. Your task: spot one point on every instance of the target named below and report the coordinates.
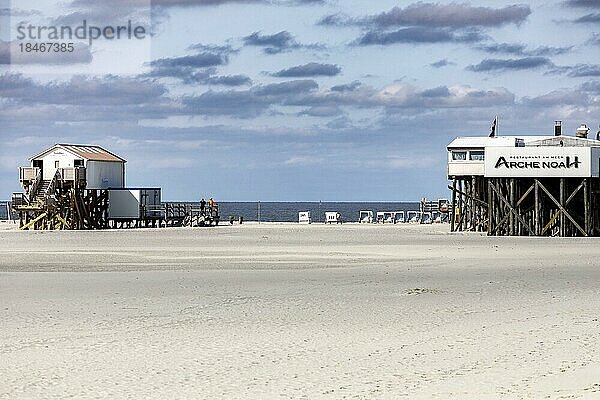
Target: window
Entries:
(476, 155)
(56, 163)
(78, 163)
(459, 155)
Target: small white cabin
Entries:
(304, 217)
(390, 217)
(333, 217)
(103, 169)
(365, 217)
(414, 217)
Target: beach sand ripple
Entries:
(282, 311)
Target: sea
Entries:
(288, 211)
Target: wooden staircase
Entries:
(40, 192)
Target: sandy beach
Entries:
(284, 311)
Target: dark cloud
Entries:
(581, 70)
(189, 69)
(349, 87)
(309, 70)
(229, 80)
(273, 98)
(272, 44)
(321, 111)
(520, 49)
(440, 91)
(194, 3)
(547, 51)
(337, 19)
(224, 50)
(80, 90)
(308, 2)
(150, 13)
(588, 19)
(201, 60)
(594, 40)
(418, 35)
(504, 48)
(452, 15)
(558, 98)
(442, 63)
(160, 3)
(276, 43)
(286, 88)
(591, 87)
(526, 63)
(190, 3)
(582, 3)
(199, 68)
(403, 96)
(247, 103)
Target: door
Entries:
(39, 164)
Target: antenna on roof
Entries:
(494, 128)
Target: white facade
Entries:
(541, 162)
(526, 156)
(304, 217)
(129, 204)
(56, 159)
(105, 174)
(466, 162)
(103, 169)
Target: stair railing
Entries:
(34, 186)
(52, 186)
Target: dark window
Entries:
(459, 155)
(78, 163)
(476, 155)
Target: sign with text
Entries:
(75, 37)
(540, 162)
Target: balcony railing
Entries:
(72, 173)
(28, 173)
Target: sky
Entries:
(293, 100)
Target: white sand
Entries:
(288, 311)
(8, 225)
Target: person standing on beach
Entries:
(202, 204)
(211, 202)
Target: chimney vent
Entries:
(557, 128)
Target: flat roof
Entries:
(468, 142)
(480, 142)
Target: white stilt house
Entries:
(526, 185)
(66, 187)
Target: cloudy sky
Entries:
(295, 99)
